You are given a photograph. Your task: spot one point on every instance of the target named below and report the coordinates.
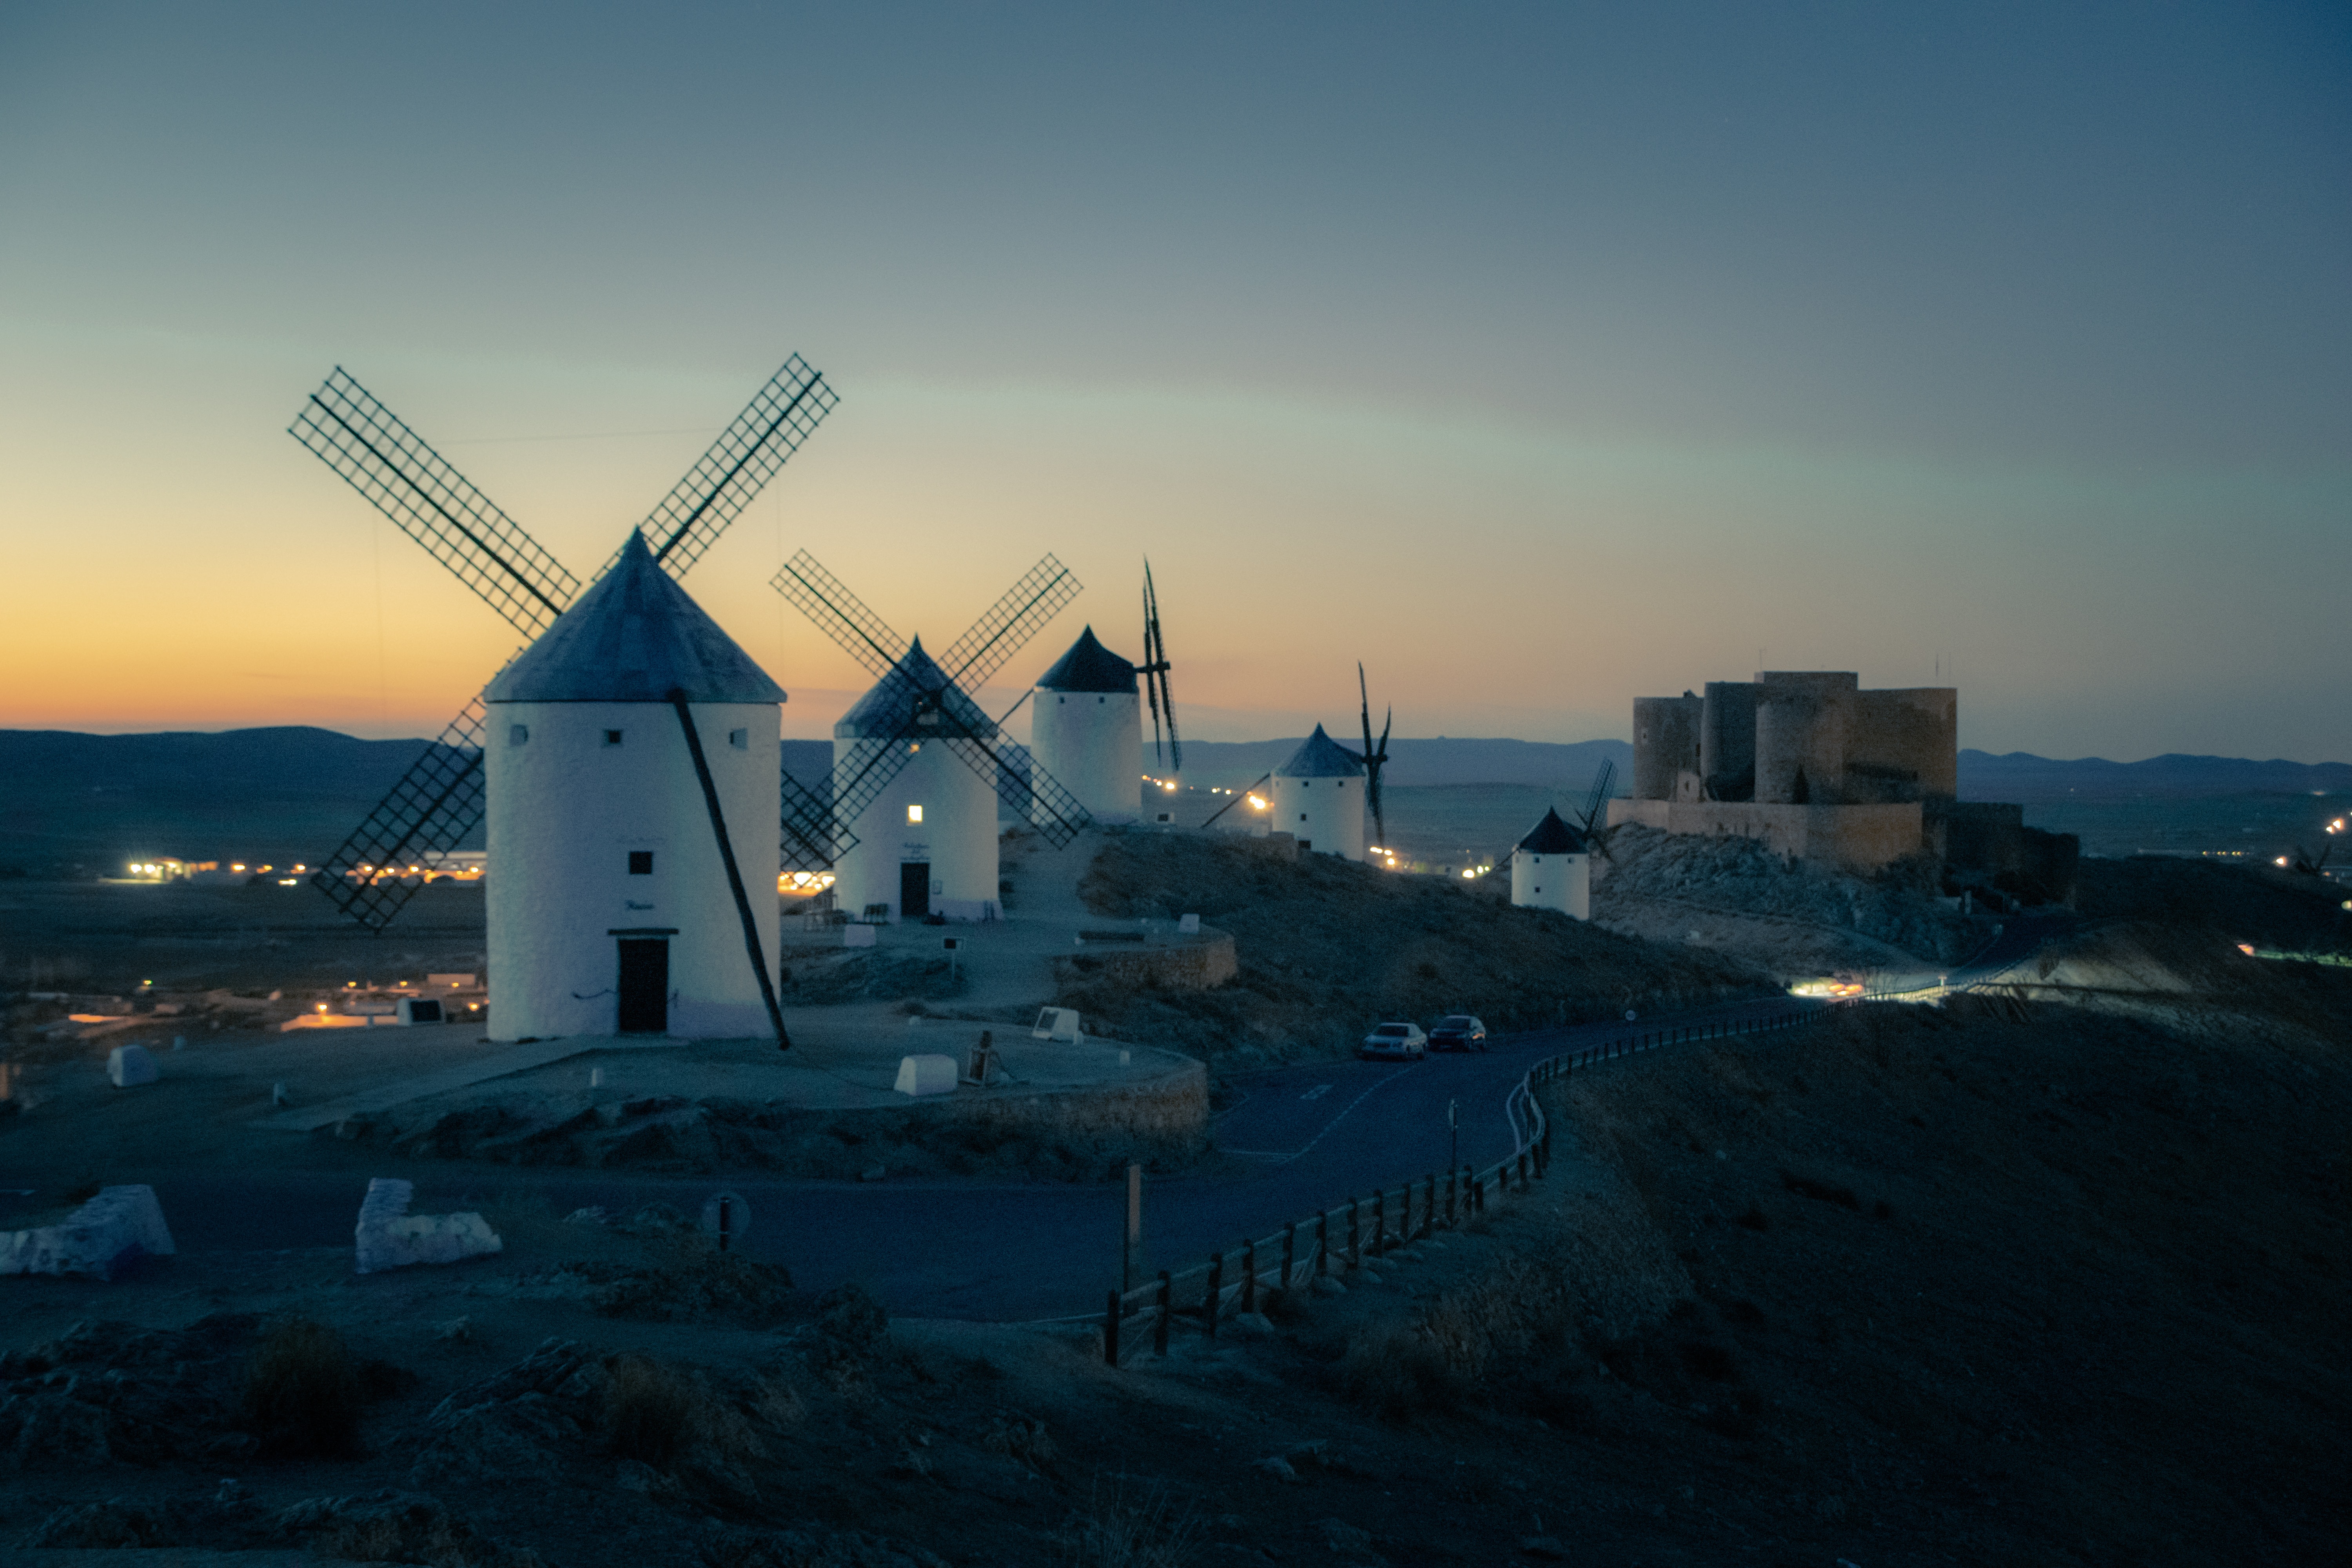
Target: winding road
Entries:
(1292, 1139)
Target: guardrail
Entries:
(1336, 1240)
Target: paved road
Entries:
(1296, 1138)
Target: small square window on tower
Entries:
(740, 739)
(518, 734)
(611, 737)
(914, 814)
(641, 862)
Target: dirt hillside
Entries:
(1328, 947)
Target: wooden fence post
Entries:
(1428, 1206)
(1355, 1254)
(1160, 1328)
(1216, 1292)
(1523, 1170)
(1110, 1329)
(1249, 1276)
(1450, 1176)
(1379, 1222)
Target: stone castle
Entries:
(1822, 770)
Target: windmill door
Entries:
(914, 889)
(644, 985)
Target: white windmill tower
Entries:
(1318, 797)
(631, 777)
(1551, 869)
(907, 834)
(1085, 728)
(926, 842)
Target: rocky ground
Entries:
(2013, 1279)
(1793, 918)
(1326, 945)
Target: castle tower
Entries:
(609, 906)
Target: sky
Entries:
(1539, 357)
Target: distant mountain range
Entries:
(281, 795)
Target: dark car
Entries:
(1460, 1033)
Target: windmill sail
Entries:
(930, 696)
(1374, 758)
(1154, 670)
(439, 801)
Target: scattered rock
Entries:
(1546, 1548)
(1249, 1326)
(112, 1392)
(587, 1216)
(458, 1331)
(873, 1172)
(1277, 1466)
(93, 1525)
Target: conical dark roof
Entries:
(1088, 667)
(634, 637)
(1553, 836)
(889, 709)
(1321, 757)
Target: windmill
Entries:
(440, 799)
(926, 702)
(1374, 759)
(1154, 670)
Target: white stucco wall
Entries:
(1327, 813)
(1562, 882)
(957, 835)
(565, 809)
(1090, 741)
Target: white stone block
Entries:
(1189, 926)
(1058, 1023)
(109, 1231)
(857, 935)
(926, 1075)
(388, 1236)
(128, 1067)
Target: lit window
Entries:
(641, 862)
(611, 737)
(914, 814)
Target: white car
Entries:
(1394, 1043)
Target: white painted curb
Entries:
(112, 1229)
(388, 1236)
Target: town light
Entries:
(914, 814)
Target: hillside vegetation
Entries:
(1326, 947)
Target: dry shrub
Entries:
(1114, 1532)
(303, 1393)
(1820, 1191)
(1021, 1439)
(436, 1543)
(1397, 1374)
(650, 1412)
(659, 1416)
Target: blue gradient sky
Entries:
(1540, 357)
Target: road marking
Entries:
(1318, 1092)
(1350, 1106)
